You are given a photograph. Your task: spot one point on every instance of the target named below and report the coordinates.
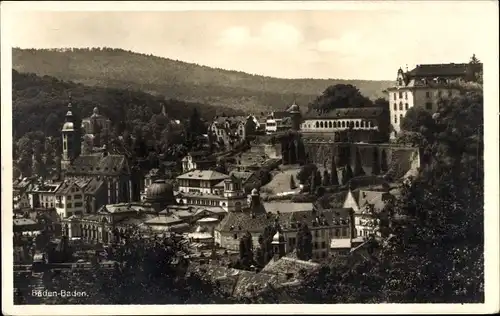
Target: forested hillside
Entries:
(40, 104)
(179, 80)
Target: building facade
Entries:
(199, 181)
(201, 160)
(354, 124)
(227, 195)
(425, 86)
(325, 224)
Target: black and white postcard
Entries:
(249, 157)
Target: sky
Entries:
(338, 43)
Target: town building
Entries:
(324, 223)
(228, 131)
(248, 178)
(201, 181)
(424, 87)
(211, 189)
(69, 199)
(106, 225)
(201, 160)
(96, 130)
(369, 210)
(358, 124)
(20, 190)
(278, 121)
(43, 194)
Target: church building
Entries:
(113, 169)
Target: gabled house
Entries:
(201, 160)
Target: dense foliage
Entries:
(304, 243)
(340, 96)
(117, 68)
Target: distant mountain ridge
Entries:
(179, 80)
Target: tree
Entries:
(305, 172)
(293, 186)
(333, 173)
(326, 178)
(375, 162)
(358, 168)
(312, 183)
(347, 174)
(419, 120)
(265, 252)
(339, 96)
(383, 161)
(317, 178)
(304, 243)
(384, 119)
(292, 152)
(246, 250)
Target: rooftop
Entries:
(286, 265)
(347, 113)
(99, 164)
(340, 243)
(203, 175)
(430, 70)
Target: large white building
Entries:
(425, 86)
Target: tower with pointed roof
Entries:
(70, 138)
(295, 116)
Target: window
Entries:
(357, 123)
(78, 197)
(334, 124)
(323, 255)
(362, 123)
(395, 118)
(78, 204)
(440, 93)
(406, 106)
(336, 232)
(401, 106)
(406, 95)
(427, 94)
(330, 124)
(315, 245)
(400, 81)
(395, 96)
(323, 245)
(321, 124)
(395, 107)
(400, 94)
(69, 205)
(69, 197)
(69, 214)
(400, 117)
(428, 105)
(316, 233)
(317, 124)
(235, 236)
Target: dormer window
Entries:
(400, 81)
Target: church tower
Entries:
(295, 116)
(70, 139)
